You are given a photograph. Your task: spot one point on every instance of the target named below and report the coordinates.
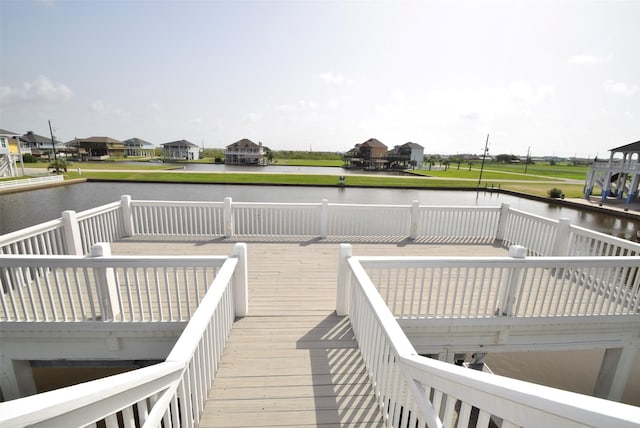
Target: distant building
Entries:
(245, 152)
(41, 147)
(180, 150)
(406, 156)
(97, 148)
(616, 177)
(368, 155)
(10, 154)
(136, 147)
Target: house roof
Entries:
(5, 132)
(632, 147)
(412, 145)
(180, 143)
(30, 137)
(137, 142)
(245, 142)
(372, 142)
(107, 140)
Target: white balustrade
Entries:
(171, 393)
(584, 242)
(531, 231)
(44, 238)
(177, 218)
(8, 184)
(73, 288)
(415, 391)
(276, 219)
(479, 287)
(357, 220)
(468, 223)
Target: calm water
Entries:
(327, 170)
(19, 210)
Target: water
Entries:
(19, 210)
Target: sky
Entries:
(545, 77)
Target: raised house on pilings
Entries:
(97, 148)
(369, 155)
(619, 177)
(136, 147)
(405, 156)
(180, 150)
(245, 152)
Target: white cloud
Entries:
(155, 106)
(333, 78)
(620, 88)
(42, 89)
(254, 117)
(101, 107)
(587, 59)
(522, 91)
(398, 95)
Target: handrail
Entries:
(416, 391)
(174, 390)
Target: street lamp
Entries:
(484, 155)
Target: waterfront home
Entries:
(97, 148)
(180, 150)
(618, 177)
(11, 151)
(368, 155)
(41, 147)
(245, 152)
(406, 156)
(136, 147)
(295, 327)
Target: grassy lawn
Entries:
(540, 189)
(111, 166)
(308, 162)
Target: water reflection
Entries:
(24, 209)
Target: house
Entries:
(98, 148)
(136, 147)
(406, 156)
(41, 147)
(616, 177)
(182, 150)
(371, 154)
(10, 154)
(245, 152)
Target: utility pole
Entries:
(526, 162)
(484, 155)
(53, 142)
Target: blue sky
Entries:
(558, 77)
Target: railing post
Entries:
(510, 286)
(228, 218)
(241, 281)
(561, 241)
(343, 288)
(415, 216)
(127, 215)
(324, 218)
(502, 222)
(72, 241)
(106, 284)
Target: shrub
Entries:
(29, 158)
(555, 193)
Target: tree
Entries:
(58, 165)
(413, 163)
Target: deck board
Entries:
(293, 361)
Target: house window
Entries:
(3, 143)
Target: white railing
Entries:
(423, 223)
(101, 224)
(534, 232)
(414, 391)
(177, 218)
(585, 242)
(133, 288)
(8, 184)
(171, 393)
(45, 238)
(275, 219)
(480, 287)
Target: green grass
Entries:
(540, 189)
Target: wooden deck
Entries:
(292, 361)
